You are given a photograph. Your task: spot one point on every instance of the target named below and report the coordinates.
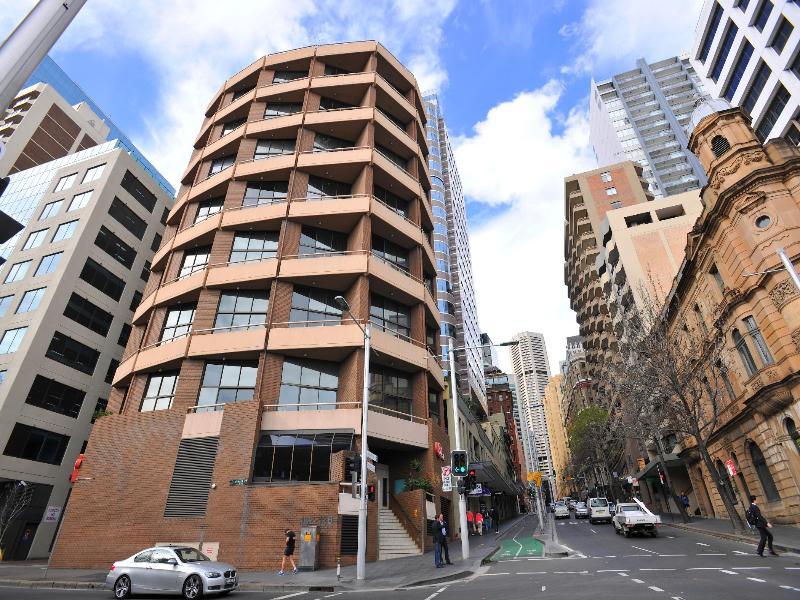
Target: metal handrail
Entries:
(319, 198)
(398, 414)
(404, 169)
(289, 324)
(323, 254)
(397, 267)
(195, 223)
(406, 519)
(210, 175)
(299, 404)
(394, 210)
(197, 408)
(231, 327)
(267, 157)
(238, 262)
(393, 333)
(244, 124)
(155, 345)
(243, 206)
(316, 150)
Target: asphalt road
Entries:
(677, 565)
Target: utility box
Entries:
(309, 549)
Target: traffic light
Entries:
(371, 492)
(471, 479)
(458, 463)
(351, 467)
(461, 488)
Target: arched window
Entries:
(719, 145)
(744, 353)
(791, 429)
(764, 476)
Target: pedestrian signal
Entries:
(458, 463)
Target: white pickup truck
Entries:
(634, 517)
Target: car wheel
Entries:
(654, 533)
(626, 533)
(122, 587)
(192, 587)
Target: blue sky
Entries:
(513, 77)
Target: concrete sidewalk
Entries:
(381, 575)
(787, 537)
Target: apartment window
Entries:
(178, 321)
(113, 246)
(30, 300)
(138, 191)
(35, 238)
(3, 376)
(72, 353)
(773, 112)
(65, 182)
(762, 15)
(223, 382)
(65, 231)
(17, 271)
(254, 246)
(50, 209)
(758, 339)
(136, 300)
(48, 264)
(328, 142)
(305, 382)
(124, 334)
(156, 243)
(446, 307)
(716, 16)
(229, 126)
(281, 109)
(11, 340)
(616, 204)
(390, 252)
(101, 278)
(194, 260)
(55, 396)
(742, 4)
(100, 407)
(92, 317)
(331, 70)
(433, 407)
(724, 50)
(782, 34)
(208, 208)
(390, 389)
(789, 423)
(314, 307)
(269, 147)
(40, 445)
(321, 188)
(290, 456)
(393, 201)
(314, 240)
(220, 164)
(717, 277)
(763, 472)
(759, 81)
(160, 392)
(393, 157)
(738, 70)
(5, 303)
(284, 76)
(164, 215)
(145, 270)
(605, 177)
(326, 103)
(389, 316)
(241, 92)
(795, 66)
(127, 218)
(726, 380)
(112, 368)
(744, 353)
(93, 173)
(80, 200)
(241, 309)
(265, 192)
(611, 191)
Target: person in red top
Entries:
(479, 522)
(469, 522)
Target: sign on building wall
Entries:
(51, 514)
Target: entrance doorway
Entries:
(382, 473)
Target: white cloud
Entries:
(617, 32)
(195, 45)
(514, 157)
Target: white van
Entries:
(599, 512)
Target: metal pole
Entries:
(462, 498)
(362, 507)
(789, 267)
(29, 43)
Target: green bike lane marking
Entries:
(520, 547)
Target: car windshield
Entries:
(599, 502)
(190, 555)
(581, 505)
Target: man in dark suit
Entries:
(439, 538)
(757, 520)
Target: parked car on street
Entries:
(561, 511)
(171, 570)
(599, 512)
(634, 517)
(581, 510)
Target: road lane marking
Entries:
(728, 572)
(483, 575)
(620, 571)
(334, 594)
(436, 593)
(610, 556)
(645, 550)
(702, 544)
(703, 569)
(665, 555)
(623, 574)
(531, 572)
(544, 587)
(740, 552)
(788, 587)
(592, 530)
(631, 555)
(658, 569)
(570, 572)
(748, 568)
(710, 554)
(757, 579)
(655, 589)
(792, 568)
(290, 595)
(637, 580)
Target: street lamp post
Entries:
(361, 559)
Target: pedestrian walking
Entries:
(479, 523)
(488, 520)
(757, 520)
(439, 533)
(496, 520)
(685, 501)
(288, 552)
(445, 547)
(470, 523)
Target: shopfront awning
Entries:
(486, 473)
(651, 470)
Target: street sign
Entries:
(372, 456)
(51, 514)
(535, 477)
(478, 489)
(731, 466)
(370, 467)
(447, 479)
(238, 481)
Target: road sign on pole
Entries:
(447, 479)
(372, 456)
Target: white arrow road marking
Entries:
(728, 572)
(702, 544)
(623, 574)
(436, 593)
(655, 589)
(757, 579)
(290, 595)
(637, 580)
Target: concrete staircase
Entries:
(393, 541)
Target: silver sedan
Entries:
(177, 570)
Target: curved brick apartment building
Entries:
(239, 392)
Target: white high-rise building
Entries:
(532, 372)
(747, 51)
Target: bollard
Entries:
(338, 569)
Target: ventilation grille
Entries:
(719, 145)
(348, 546)
(191, 479)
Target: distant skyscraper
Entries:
(455, 290)
(532, 372)
(640, 115)
(747, 53)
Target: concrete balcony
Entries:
(211, 184)
(253, 169)
(340, 212)
(177, 208)
(387, 93)
(185, 288)
(430, 304)
(413, 355)
(216, 147)
(348, 161)
(399, 174)
(359, 114)
(427, 254)
(435, 370)
(236, 341)
(386, 274)
(195, 234)
(335, 271)
(349, 79)
(124, 371)
(398, 134)
(334, 342)
(141, 312)
(202, 424)
(225, 112)
(284, 123)
(397, 222)
(162, 354)
(233, 275)
(397, 428)
(261, 214)
(277, 89)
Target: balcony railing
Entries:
(206, 408)
(311, 406)
(212, 330)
